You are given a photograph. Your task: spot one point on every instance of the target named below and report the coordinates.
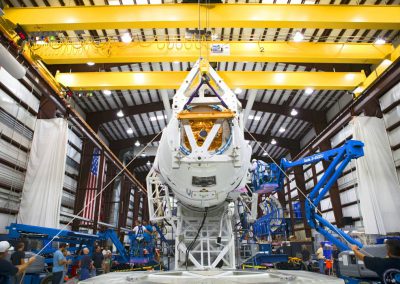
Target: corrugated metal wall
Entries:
(18, 111)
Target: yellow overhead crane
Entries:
(242, 79)
(221, 15)
(214, 51)
(217, 15)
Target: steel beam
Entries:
(190, 51)
(282, 142)
(136, 204)
(241, 79)
(124, 203)
(303, 114)
(84, 170)
(216, 15)
(100, 183)
(47, 108)
(95, 119)
(287, 143)
(326, 67)
(118, 145)
(108, 194)
(249, 105)
(100, 117)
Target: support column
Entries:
(123, 204)
(145, 210)
(47, 108)
(100, 183)
(136, 205)
(300, 183)
(108, 194)
(84, 169)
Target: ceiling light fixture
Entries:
(293, 112)
(90, 63)
(265, 154)
(298, 36)
(143, 154)
(126, 37)
(107, 92)
(308, 91)
(120, 113)
(273, 141)
(380, 41)
(137, 143)
(129, 131)
(148, 163)
(350, 76)
(282, 129)
(238, 91)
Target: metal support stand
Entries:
(214, 246)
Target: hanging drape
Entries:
(378, 185)
(43, 186)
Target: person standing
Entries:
(335, 259)
(7, 269)
(321, 258)
(65, 254)
(98, 258)
(18, 258)
(59, 262)
(387, 268)
(107, 260)
(85, 264)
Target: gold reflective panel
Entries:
(200, 129)
(201, 120)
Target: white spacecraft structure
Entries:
(195, 184)
(201, 163)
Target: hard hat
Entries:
(254, 160)
(4, 246)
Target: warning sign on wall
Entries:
(221, 49)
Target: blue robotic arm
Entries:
(339, 159)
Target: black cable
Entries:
(190, 247)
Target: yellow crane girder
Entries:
(216, 15)
(190, 51)
(84, 81)
(377, 72)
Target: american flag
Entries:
(91, 187)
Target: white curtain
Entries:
(378, 185)
(42, 191)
